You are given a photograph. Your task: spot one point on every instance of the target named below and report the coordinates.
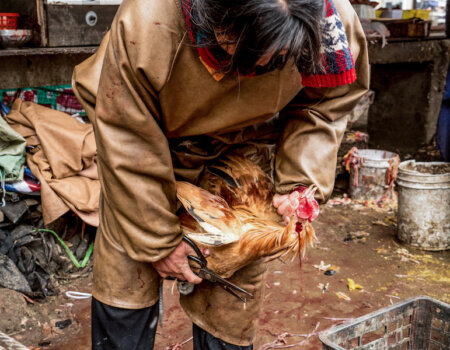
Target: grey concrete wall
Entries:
(409, 80)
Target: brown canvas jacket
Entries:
(146, 88)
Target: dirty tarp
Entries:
(12, 153)
(61, 148)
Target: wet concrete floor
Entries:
(294, 303)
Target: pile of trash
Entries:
(33, 259)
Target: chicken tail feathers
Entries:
(269, 240)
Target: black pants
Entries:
(124, 329)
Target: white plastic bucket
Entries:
(371, 175)
(424, 204)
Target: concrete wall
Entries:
(409, 80)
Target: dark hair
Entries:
(262, 27)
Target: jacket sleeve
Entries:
(315, 121)
(138, 200)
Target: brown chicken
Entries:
(232, 215)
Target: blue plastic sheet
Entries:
(443, 126)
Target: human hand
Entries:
(299, 204)
(176, 264)
(286, 205)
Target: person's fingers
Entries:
(283, 207)
(294, 195)
(294, 200)
(189, 276)
(287, 210)
(166, 268)
(160, 268)
(177, 264)
(188, 250)
(174, 274)
(289, 215)
(278, 199)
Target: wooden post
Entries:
(42, 21)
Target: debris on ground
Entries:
(392, 297)
(427, 153)
(352, 285)
(334, 268)
(388, 221)
(343, 296)
(323, 287)
(406, 256)
(178, 346)
(63, 324)
(15, 210)
(32, 258)
(402, 253)
(322, 266)
(330, 270)
(340, 201)
(389, 204)
(358, 236)
(281, 342)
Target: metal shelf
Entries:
(29, 67)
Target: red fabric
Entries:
(329, 9)
(329, 80)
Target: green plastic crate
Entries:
(60, 97)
